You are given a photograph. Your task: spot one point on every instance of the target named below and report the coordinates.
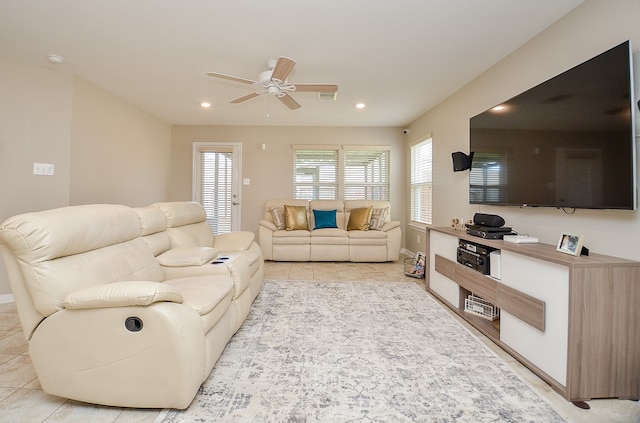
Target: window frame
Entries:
(378, 187)
(421, 179)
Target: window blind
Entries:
(366, 174)
(216, 173)
(315, 174)
(421, 182)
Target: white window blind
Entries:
(421, 182)
(315, 174)
(216, 176)
(346, 172)
(366, 174)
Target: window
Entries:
(421, 182)
(347, 172)
(366, 174)
(315, 174)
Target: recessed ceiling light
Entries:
(54, 59)
(205, 104)
(499, 108)
(360, 106)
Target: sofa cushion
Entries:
(187, 256)
(203, 293)
(378, 218)
(295, 218)
(291, 237)
(325, 219)
(359, 219)
(367, 238)
(277, 213)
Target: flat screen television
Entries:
(568, 142)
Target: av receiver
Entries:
(475, 256)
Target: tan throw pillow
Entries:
(277, 214)
(378, 217)
(359, 219)
(295, 218)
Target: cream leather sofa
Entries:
(329, 244)
(106, 323)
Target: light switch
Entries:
(43, 169)
(246, 181)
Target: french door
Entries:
(217, 183)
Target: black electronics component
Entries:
(474, 256)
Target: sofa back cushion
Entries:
(186, 224)
(153, 226)
(63, 250)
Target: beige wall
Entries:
(591, 29)
(103, 148)
(271, 171)
(119, 153)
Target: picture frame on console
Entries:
(570, 244)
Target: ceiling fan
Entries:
(274, 81)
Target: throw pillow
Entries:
(378, 217)
(277, 213)
(295, 218)
(325, 218)
(359, 219)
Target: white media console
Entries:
(574, 321)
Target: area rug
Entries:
(358, 352)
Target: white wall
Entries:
(590, 29)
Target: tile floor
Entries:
(22, 399)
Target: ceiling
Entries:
(400, 57)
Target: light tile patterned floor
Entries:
(22, 399)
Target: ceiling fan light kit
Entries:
(274, 82)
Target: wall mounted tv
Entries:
(568, 142)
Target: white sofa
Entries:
(108, 324)
(329, 244)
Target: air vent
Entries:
(327, 96)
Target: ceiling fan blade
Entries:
(289, 101)
(316, 88)
(245, 98)
(231, 78)
(283, 68)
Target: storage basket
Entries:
(414, 267)
(481, 307)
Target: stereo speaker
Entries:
(461, 161)
(490, 220)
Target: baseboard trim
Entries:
(407, 252)
(6, 298)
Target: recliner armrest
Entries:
(122, 294)
(234, 241)
(390, 225)
(268, 225)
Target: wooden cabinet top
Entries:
(541, 251)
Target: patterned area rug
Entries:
(353, 352)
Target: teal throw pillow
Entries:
(325, 219)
